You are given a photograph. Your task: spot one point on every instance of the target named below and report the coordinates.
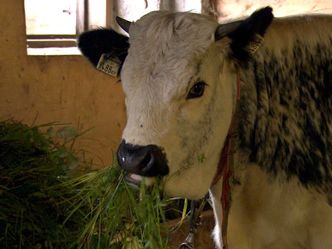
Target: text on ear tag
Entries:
(109, 64)
(255, 44)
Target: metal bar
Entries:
(81, 16)
(195, 220)
(46, 43)
(51, 36)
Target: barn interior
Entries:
(47, 81)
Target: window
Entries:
(52, 26)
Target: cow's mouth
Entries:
(135, 180)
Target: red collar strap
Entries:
(225, 153)
(225, 170)
(223, 165)
(226, 198)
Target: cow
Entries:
(240, 110)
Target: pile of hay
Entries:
(43, 206)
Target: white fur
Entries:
(274, 213)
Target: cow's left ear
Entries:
(247, 35)
(105, 49)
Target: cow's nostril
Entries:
(146, 160)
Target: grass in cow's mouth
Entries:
(43, 206)
(118, 215)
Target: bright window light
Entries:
(50, 17)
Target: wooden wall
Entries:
(64, 89)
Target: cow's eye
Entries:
(197, 90)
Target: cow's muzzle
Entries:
(146, 160)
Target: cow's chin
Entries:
(193, 183)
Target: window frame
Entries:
(60, 41)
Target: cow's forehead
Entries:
(162, 26)
(167, 45)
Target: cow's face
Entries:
(179, 98)
(180, 89)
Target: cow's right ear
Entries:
(247, 35)
(101, 45)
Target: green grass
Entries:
(117, 216)
(43, 206)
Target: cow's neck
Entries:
(283, 116)
(272, 120)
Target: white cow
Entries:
(218, 108)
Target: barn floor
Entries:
(203, 239)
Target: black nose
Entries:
(146, 160)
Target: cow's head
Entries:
(179, 80)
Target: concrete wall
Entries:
(65, 89)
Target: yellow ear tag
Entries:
(255, 44)
(109, 64)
